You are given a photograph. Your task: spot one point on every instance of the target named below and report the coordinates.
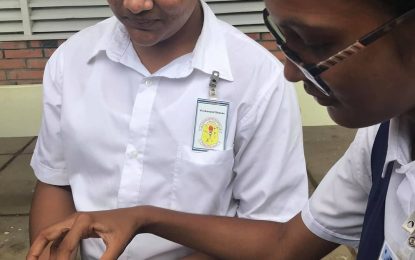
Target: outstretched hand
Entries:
(116, 228)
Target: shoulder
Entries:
(353, 170)
(242, 47)
(85, 41)
(356, 160)
(344, 192)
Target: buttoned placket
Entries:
(129, 191)
(407, 249)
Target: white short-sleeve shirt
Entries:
(335, 211)
(121, 137)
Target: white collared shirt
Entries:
(122, 137)
(335, 211)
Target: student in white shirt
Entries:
(367, 200)
(123, 127)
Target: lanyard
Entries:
(373, 235)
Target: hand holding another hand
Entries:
(116, 228)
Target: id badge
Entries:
(386, 253)
(210, 125)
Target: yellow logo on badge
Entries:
(211, 129)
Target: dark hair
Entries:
(399, 6)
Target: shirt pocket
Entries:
(202, 181)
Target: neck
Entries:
(182, 42)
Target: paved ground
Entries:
(16, 186)
(323, 146)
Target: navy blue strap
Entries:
(373, 234)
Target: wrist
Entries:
(144, 217)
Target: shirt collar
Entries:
(210, 53)
(399, 146)
(114, 40)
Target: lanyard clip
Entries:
(213, 83)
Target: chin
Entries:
(349, 119)
(144, 39)
(145, 42)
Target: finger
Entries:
(112, 251)
(53, 254)
(47, 235)
(79, 230)
(115, 245)
(148, 5)
(43, 239)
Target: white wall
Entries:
(58, 19)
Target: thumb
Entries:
(112, 252)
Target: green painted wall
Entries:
(20, 110)
(312, 113)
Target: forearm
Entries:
(50, 204)
(221, 237)
(235, 238)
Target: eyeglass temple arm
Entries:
(361, 43)
(338, 57)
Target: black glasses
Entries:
(312, 71)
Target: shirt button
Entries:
(411, 241)
(148, 82)
(132, 155)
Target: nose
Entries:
(292, 72)
(138, 6)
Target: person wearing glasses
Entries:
(357, 58)
(163, 104)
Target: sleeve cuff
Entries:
(319, 230)
(47, 175)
